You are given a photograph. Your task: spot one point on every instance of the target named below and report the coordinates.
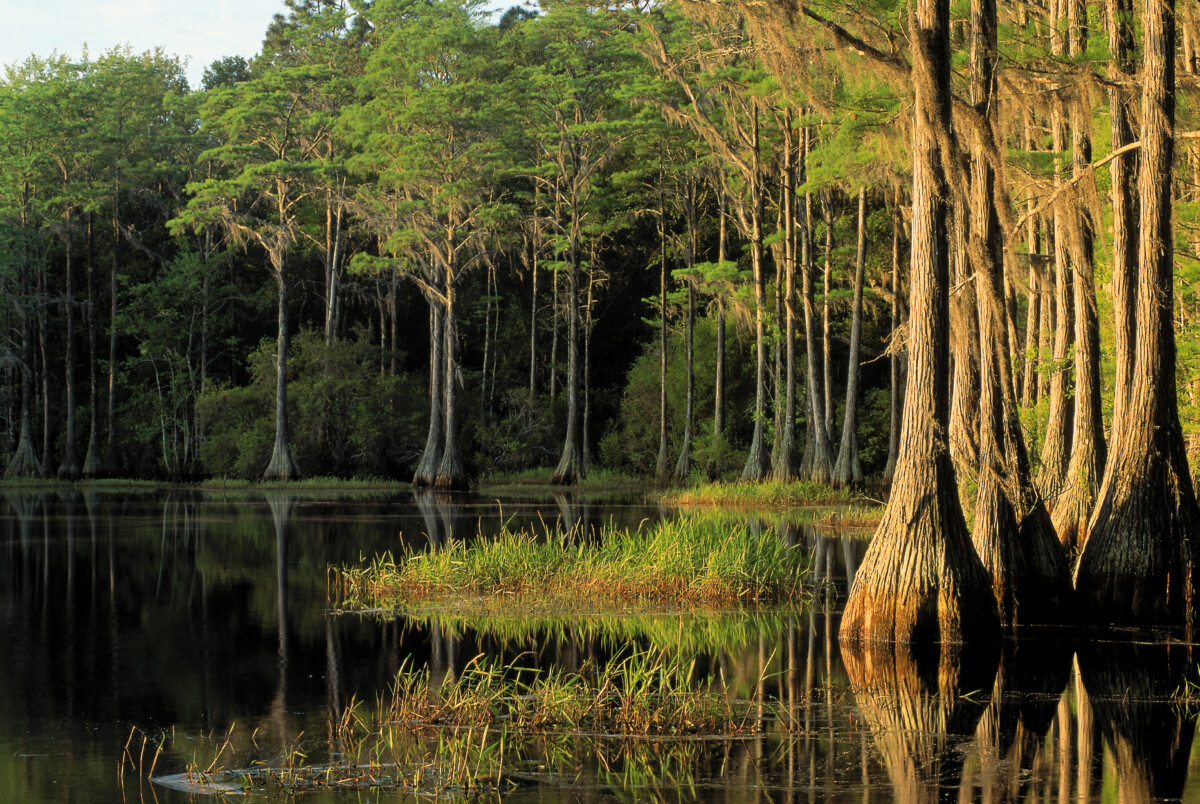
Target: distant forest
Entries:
(668, 238)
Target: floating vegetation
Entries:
(689, 561)
(492, 728)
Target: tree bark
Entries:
(848, 470)
(1123, 171)
(683, 466)
(716, 464)
(826, 332)
(660, 465)
(1139, 564)
(1013, 533)
(964, 400)
(921, 580)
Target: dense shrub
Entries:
(346, 417)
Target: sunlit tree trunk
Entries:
(431, 456)
(896, 390)
(921, 580)
(758, 459)
(282, 465)
(1139, 564)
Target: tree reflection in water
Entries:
(1130, 685)
(921, 705)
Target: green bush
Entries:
(346, 419)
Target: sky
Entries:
(201, 31)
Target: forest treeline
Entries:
(658, 237)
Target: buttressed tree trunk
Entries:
(451, 475)
(282, 465)
(1139, 564)
(848, 470)
(1013, 533)
(916, 706)
(921, 580)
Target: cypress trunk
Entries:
(921, 580)
(451, 475)
(431, 456)
(783, 464)
(1139, 564)
(570, 469)
(92, 465)
(1056, 452)
(896, 390)
(820, 466)
(758, 460)
(848, 470)
(283, 465)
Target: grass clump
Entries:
(491, 728)
(689, 561)
(769, 494)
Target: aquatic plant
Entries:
(774, 494)
(689, 561)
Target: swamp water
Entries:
(200, 623)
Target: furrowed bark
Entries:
(921, 580)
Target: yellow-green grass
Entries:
(690, 561)
(770, 494)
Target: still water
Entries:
(185, 617)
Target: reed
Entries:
(691, 561)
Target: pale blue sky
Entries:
(200, 30)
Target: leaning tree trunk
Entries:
(570, 467)
(1013, 534)
(69, 469)
(451, 475)
(758, 459)
(283, 465)
(431, 456)
(921, 580)
(1139, 564)
(848, 470)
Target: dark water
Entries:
(184, 617)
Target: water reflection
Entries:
(186, 613)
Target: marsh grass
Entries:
(691, 561)
(769, 494)
(597, 480)
(494, 726)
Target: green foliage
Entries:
(631, 442)
(347, 418)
